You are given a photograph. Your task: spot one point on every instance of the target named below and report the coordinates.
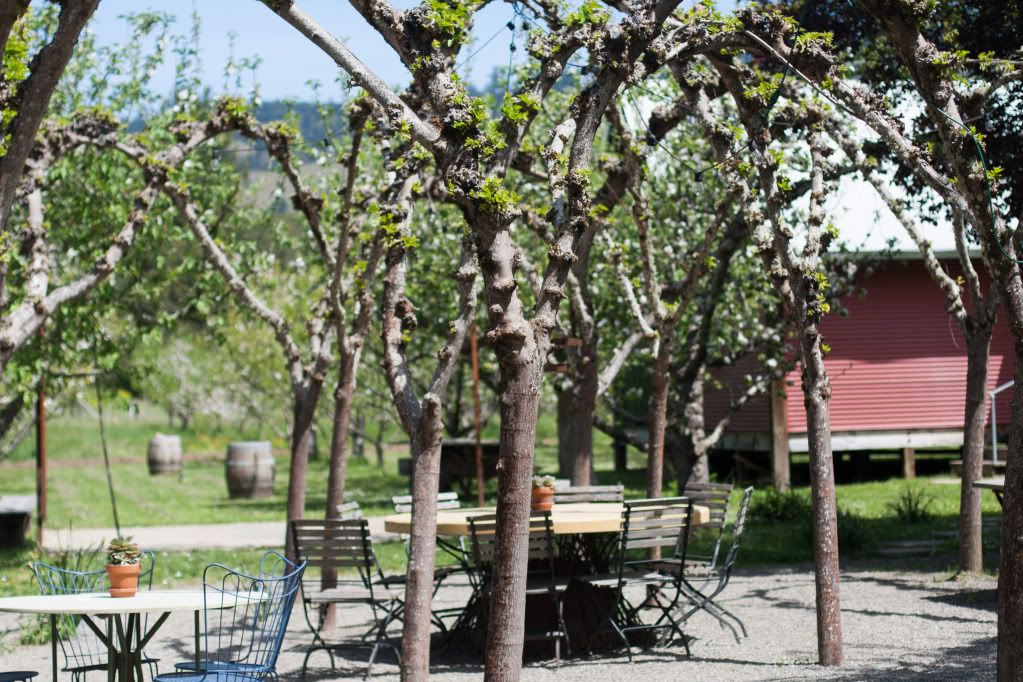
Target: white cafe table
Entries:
(124, 652)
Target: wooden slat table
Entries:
(568, 519)
(995, 485)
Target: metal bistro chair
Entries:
(82, 649)
(272, 565)
(589, 493)
(335, 544)
(702, 598)
(715, 497)
(646, 524)
(540, 577)
(243, 642)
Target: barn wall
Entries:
(897, 361)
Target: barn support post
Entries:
(909, 463)
(780, 467)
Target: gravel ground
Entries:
(899, 625)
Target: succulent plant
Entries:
(543, 481)
(123, 552)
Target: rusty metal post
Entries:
(474, 353)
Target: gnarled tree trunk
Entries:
(657, 419)
(303, 413)
(426, 444)
(343, 394)
(576, 406)
(971, 548)
(520, 401)
(817, 398)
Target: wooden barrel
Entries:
(164, 455)
(250, 469)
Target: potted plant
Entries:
(543, 493)
(123, 567)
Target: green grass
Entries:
(79, 498)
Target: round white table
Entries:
(124, 650)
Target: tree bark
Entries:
(576, 406)
(415, 642)
(343, 394)
(695, 432)
(817, 398)
(1010, 570)
(658, 416)
(520, 401)
(303, 412)
(971, 550)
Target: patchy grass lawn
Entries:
(79, 498)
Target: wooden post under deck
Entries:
(780, 467)
(908, 463)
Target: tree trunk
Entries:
(1010, 570)
(415, 640)
(520, 401)
(971, 549)
(658, 418)
(695, 433)
(303, 412)
(343, 394)
(817, 397)
(576, 407)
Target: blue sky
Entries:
(288, 59)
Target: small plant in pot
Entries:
(123, 567)
(543, 493)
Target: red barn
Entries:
(898, 372)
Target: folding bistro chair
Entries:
(715, 497)
(349, 511)
(703, 599)
(82, 650)
(650, 523)
(336, 544)
(589, 493)
(540, 577)
(243, 642)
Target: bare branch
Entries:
(617, 362)
(361, 75)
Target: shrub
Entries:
(913, 505)
(854, 535)
(771, 505)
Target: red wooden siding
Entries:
(897, 361)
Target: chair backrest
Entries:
(79, 644)
(403, 503)
(655, 523)
(251, 631)
(333, 543)
(349, 510)
(589, 493)
(714, 496)
(738, 529)
(540, 551)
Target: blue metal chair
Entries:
(18, 676)
(83, 651)
(271, 565)
(242, 643)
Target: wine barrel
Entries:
(164, 455)
(250, 469)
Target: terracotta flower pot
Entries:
(542, 499)
(124, 580)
